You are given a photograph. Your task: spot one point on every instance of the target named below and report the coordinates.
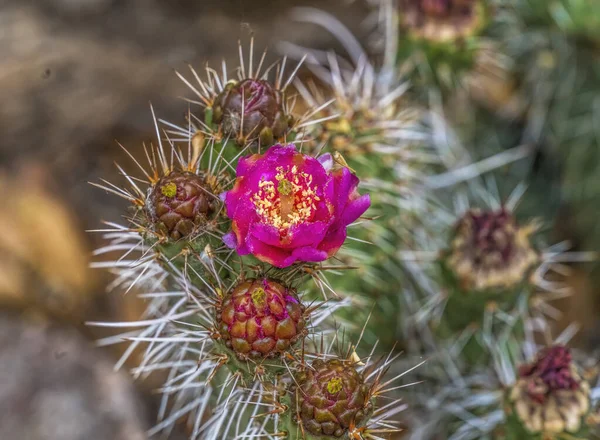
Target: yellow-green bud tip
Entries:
(259, 297)
(334, 386)
(169, 190)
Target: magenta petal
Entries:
(355, 209)
(312, 166)
(233, 198)
(333, 241)
(309, 253)
(307, 234)
(230, 240)
(266, 233)
(326, 160)
(270, 254)
(245, 164)
(345, 183)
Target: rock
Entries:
(56, 386)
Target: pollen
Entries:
(286, 200)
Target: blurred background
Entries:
(75, 76)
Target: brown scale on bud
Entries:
(489, 250)
(332, 397)
(550, 396)
(261, 318)
(252, 110)
(179, 203)
(441, 20)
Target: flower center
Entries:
(287, 200)
(334, 385)
(259, 297)
(169, 190)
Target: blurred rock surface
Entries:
(55, 386)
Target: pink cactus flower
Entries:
(287, 206)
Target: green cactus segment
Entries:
(194, 257)
(564, 62)
(466, 311)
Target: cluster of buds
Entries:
(490, 251)
(550, 395)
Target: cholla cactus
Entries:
(226, 245)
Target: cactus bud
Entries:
(260, 318)
(179, 203)
(550, 396)
(332, 397)
(489, 250)
(251, 110)
(441, 20)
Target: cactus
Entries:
(234, 243)
(391, 202)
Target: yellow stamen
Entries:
(288, 200)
